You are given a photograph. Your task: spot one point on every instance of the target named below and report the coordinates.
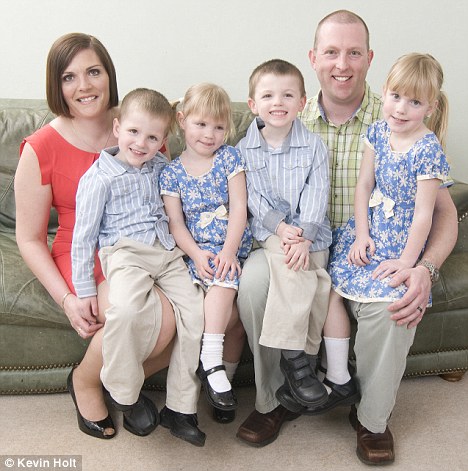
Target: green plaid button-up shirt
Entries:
(345, 146)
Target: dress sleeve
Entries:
(431, 162)
(371, 135)
(168, 182)
(233, 161)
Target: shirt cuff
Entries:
(272, 220)
(310, 230)
(85, 289)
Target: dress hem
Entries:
(366, 299)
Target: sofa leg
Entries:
(453, 377)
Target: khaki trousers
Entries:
(133, 321)
(381, 348)
(297, 302)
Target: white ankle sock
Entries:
(212, 355)
(337, 360)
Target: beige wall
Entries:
(171, 44)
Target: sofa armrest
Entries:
(459, 194)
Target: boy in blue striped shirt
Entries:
(119, 210)
(287, 184)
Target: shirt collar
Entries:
(360, 114)
(110, 165)
(295, 138)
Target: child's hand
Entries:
(389, 267)
(297, 255)
(289, 234)
(224, 262)
(358, 252)
(202, 264)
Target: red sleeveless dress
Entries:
(62, 166)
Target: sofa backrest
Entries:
(18, 119)
(242, 117)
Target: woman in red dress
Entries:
(82, 92)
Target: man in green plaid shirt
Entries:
(345, 144)
(340, 114)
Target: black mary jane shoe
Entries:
(226, 400)
(341, 395)
(223, 416)
(95, 429)
(140, 418)
(183, 426)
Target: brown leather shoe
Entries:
(261, 429)
(372, 448)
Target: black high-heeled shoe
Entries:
(95, 429)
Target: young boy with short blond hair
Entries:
(287, 183)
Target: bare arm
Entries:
(442, 239)
(418, 233)
(227, 258)
(444, 231)
(366, 182)
(184, 238)
(33, 203)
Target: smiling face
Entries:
(277, 100)
(204, 135)
(85, 85)
(140, 135)
(405, 114)
(341, 60)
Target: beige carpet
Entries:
(429, 423)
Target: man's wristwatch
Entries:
(433, 270)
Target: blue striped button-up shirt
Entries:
(287, 184)
(115, 200)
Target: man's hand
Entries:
(410, 308)
(389, 267)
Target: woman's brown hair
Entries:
(60, 55)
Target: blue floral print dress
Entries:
(391, 211)
(205, 203)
